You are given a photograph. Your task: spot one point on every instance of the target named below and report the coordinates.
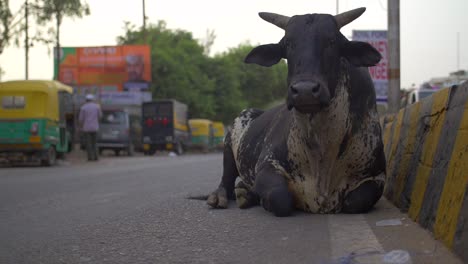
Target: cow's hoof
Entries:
(363, 198)
(218, 199)
(279, 201)
(244, 197)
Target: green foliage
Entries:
(177, 67)
(10, 25)
(5, 19)
(259, 85)
(229, 100)
(45, 11)
(218, 87)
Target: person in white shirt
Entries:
(90, 114)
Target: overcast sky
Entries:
(428, 29)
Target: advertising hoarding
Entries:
(106, 70)
(379, 73)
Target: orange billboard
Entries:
(118, 68)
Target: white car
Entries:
(417, 95)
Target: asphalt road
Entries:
(134, 210)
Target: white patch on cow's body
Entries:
(240, 126)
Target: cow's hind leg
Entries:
(363, 198)
(272, 188)
(245, 198)
(219, 198)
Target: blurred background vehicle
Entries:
(36, 120)
(165, 126)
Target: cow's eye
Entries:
(332, 41)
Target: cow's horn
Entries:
(277, 20)
(347, 17)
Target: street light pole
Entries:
(393, 56)
(26, 40)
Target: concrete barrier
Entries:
(426, 145)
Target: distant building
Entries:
(454, 78)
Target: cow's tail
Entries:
(201, 197)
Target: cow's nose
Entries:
(305, 89)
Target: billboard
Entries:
(107, 68)
(110, 97)
(379, 73)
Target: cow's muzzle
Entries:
(308, 96)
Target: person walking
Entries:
(90, 114)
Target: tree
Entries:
(177, 62)
(228, 97)
(45, 10)
(5, 20)
(218, 87)
(10, 26)
(259, 85)
(208, 42)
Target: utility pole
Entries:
(144, 22)
(458, 51)
(26, 39)
(393, 56)
(337, 6)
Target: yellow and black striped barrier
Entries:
(426, 145)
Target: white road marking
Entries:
(352, 238)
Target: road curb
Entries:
(426, 145)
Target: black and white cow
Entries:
(322, 151)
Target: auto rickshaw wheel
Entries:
(179, 148)
(130, 149)
(51, 157)
(205, 149)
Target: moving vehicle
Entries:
(218, 135)
(165, 126)
(36, 120)
(202, 134)
(119, 131)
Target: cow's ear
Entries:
(265, 55)
(361, 54)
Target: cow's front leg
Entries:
(245, 198)
(219, 198)
(363, 198)
(272, 188)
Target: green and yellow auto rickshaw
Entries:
(218, 135)
(36, 120)
(201, 134)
